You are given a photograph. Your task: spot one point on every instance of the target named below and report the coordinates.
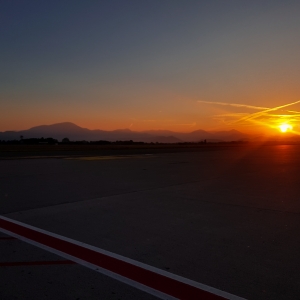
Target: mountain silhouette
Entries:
(77, 133)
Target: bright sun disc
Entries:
(285, 127)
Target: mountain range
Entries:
(76, 133)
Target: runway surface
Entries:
(227, 218)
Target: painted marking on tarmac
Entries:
(154, 281)
(95, 158)
(108, 157)
(32, 157)
(36, 263)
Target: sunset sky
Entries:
(150, 64)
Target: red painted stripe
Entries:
(151, 279)
(36, 263)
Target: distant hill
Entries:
(76, 133)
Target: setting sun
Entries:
(285, 127)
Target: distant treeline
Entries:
(32, 141)
(66, 141)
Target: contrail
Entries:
(261, 117)
(235, 105)
(248, 106)
(261, 113)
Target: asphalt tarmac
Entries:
(227, 218)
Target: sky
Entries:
(150, 64)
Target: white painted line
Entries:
(131, 272)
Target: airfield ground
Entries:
(224, 216)
(63, 151)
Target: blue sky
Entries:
(144, 64)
